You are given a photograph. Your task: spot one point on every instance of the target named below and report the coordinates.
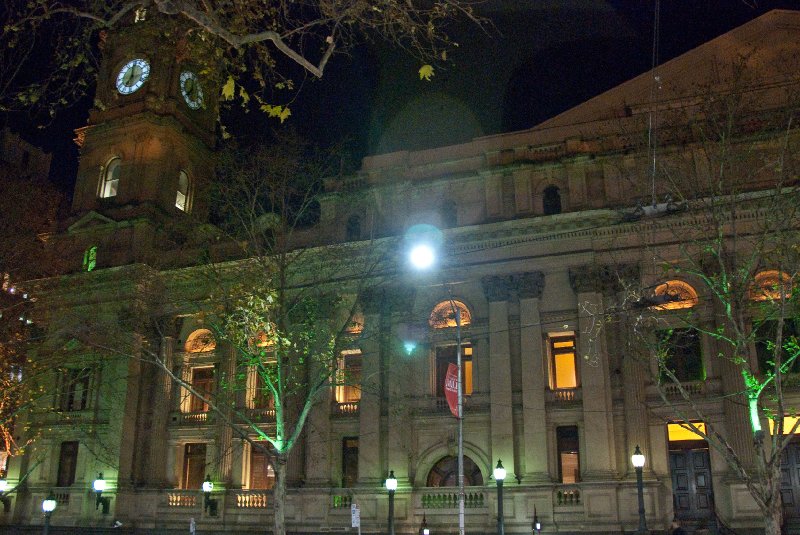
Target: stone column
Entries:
(158, 475)
(534, 461)
(398, 372)
(598, 460)
(369, 408)
(497, 290)
(318, 444)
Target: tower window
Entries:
(182, 196)
(110, 179)
(551, 200)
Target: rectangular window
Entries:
(262, 474)
(683, 354)
(67, 462)
(73, 390)
(446, 355)
(765, 337)
(681, 432)
(563, 362)
(568, 454)
(349, 377)
(349, 462)
(203, 384)
(194, 466)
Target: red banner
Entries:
(451, 388)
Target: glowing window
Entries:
(789, 423)
(110, 182)
(200, 341)
(770, 286)
(443, 315)
(563, 362)
(680, 431)
(674, 294)
(182, 196)
(90, 258)
(348, 389)
(445, 473)
(356, 325)
(203, 384)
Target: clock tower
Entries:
(147, 152)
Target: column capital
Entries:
(497, 288)
(601, 278)
(530, 285)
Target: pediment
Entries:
(88, 221)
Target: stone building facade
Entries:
(541, 232)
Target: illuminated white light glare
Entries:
(422, 256)
(637, 459)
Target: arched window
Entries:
(353, 230)
(90, 258)
(770, 285)
(200, 341)
(443, 315)
(110, 182)
(551, 200)
(182, 196)
(674, 295)
(445, 473)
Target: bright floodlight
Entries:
(637, 459)
(99, 483)
(391, 482)
(3, 485)
(499, 471)
(422, 256)
(49, 504)
(208, 486)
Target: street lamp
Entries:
(5, 500)
(99, 486)
(637, 460)
(537, 526)
(209, 505)
(391, 486)
(48, 506)
(423, 529)
(499, 476)
(423, 241)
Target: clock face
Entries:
(132, 76)
(191, 90)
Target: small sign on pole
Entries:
(355, 516)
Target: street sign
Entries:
(355, 515)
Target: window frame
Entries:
(185, 205)
(552, 352)
(69, 379)
(561, 448)
(66, 471)
(109, 184)
(467, 367)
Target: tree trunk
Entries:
(774, 517)
(279, 496)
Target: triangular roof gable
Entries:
(762, 39)
(88, 220)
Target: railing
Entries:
(345, 408)
(192, 418)
(61, 496)
(265, 414)
(251, 500)
(692, 388)
(567, 496)
(449, 500)
(341, 501)
(563, 395)
(181, 499)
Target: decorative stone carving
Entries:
(603, 278)
(497, 288)
(529, 285)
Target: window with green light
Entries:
(90, 258)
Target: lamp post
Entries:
(6, 501)
(424, 530)
(391, 486)
(99, 486)
(48, 506)
(499, 476)
(537, 526)
(637, 460)
(209, 505)
(422, 254)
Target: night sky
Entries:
(540, 58)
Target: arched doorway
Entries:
(445, 473)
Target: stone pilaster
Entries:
(529, 288)
(597, 456)
(369, 408)
(318, 444)
(497, 290)
(158, 475)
